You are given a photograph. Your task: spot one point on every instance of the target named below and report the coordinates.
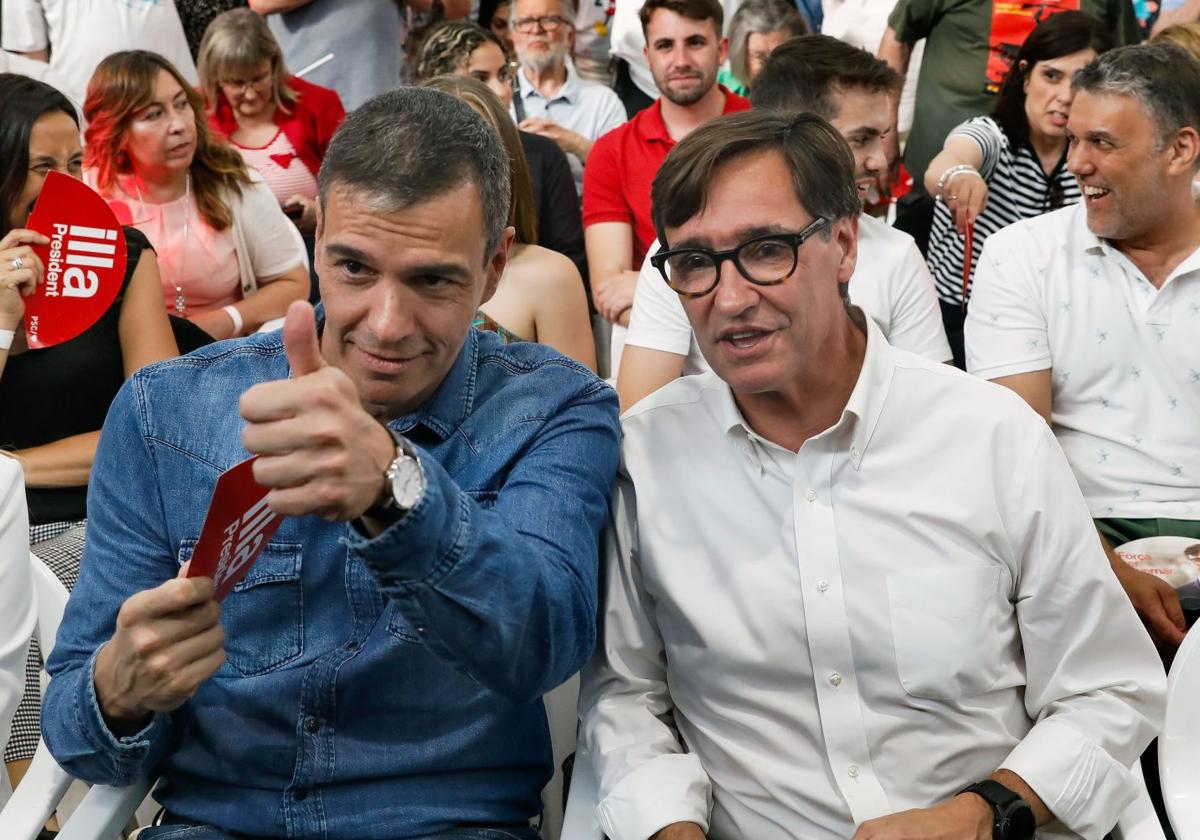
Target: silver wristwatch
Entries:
(403, 482)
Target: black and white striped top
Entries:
(1018, 189)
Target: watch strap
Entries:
(1004, 802)
(384, 508)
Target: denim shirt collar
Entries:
(444, 412)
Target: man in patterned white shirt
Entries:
(1092, 313)
(853, 592)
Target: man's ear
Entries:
(497, 264)
(1184, 150)
(724, 50)
(845, 233)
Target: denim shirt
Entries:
(373, 688)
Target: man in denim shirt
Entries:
(378, 673)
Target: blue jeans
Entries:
(207, 832)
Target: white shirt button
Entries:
(810, 494)
(854, 452)
(822, 585)
(852, 771)
(835, 679)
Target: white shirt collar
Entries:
(568, 91)
(862, 410)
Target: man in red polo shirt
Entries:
(684, 49)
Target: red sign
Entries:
(236, 529)
(1012, 21)
(85, 261)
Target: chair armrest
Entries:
(579, 821)
(1138, 821)
(105, 811)
(35, 799)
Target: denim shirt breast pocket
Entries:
(263, 616)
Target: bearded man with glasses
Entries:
(557, 103)
(851, 592)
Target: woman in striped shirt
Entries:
(996, 170)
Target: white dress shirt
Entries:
(16, 597)
(794, 643)
(891, 283)
(1124, 358)
(587, 108)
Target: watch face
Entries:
(408, 483)
(1018, 823)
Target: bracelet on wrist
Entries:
(234, 316)
(6, 338)
(953, 172)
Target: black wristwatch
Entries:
(1012, 818)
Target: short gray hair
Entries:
(759, 17)
(568, 7)
(410, 145)
(1162, 76)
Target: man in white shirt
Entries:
(1092, 313)
(74, 36)
(855, 583)
(556, 102)
(851, 89)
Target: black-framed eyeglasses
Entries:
(764, 260)
(529, 25)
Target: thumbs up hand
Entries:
(319, 451)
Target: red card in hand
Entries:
(85, 261)
(236, 529)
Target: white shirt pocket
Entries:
(944, 623)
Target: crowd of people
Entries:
(656, 341)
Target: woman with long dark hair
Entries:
(998, 169)
(230, 260)
(54, 400)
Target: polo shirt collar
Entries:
(863, 410)
(1089, 242)
(1094, 245)
(569, 91)
(650, 121)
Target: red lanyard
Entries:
(968, 256)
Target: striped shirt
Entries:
(279, 166)
(1018, 188)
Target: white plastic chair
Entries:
(1179, 744)
(104, 811)
(579, 821)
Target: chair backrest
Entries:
(105, 811)
(45, 783)
(579, 822)
(51, 597)
(1179, 743)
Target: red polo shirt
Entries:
(622, 165)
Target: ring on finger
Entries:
(17, 263)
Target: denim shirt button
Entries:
(312, 725)
(300, 795)
(351, 646)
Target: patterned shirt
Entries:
(1124, 359)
